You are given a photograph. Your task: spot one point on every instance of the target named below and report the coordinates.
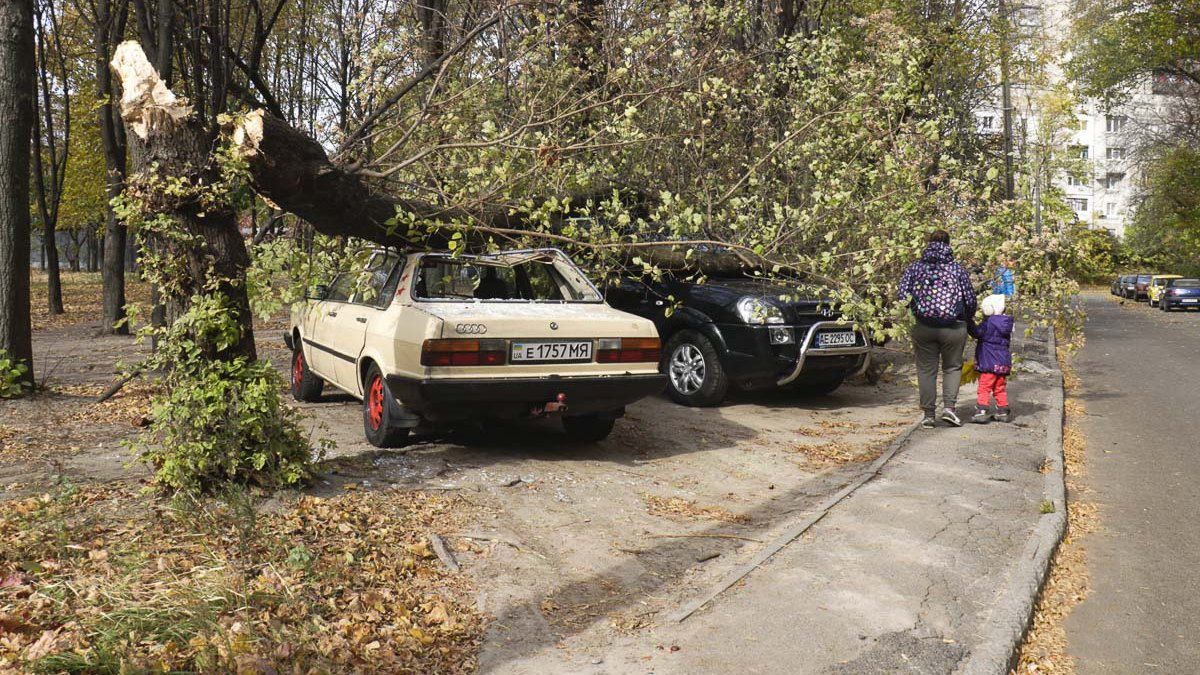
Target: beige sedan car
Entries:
(439, 338)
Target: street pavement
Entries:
(1139, 372)
(903, 575)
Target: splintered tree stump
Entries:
(170, 146)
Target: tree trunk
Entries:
(16, 109)
(112, 138)
(169, 142)
(54, 301)
(293, 171)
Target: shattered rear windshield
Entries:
(524, 277)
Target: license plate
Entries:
(1190, 300)
(845, 338)
(551, 351)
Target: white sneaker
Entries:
(950, 418)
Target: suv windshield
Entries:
(528, 276)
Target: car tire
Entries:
(588, 428)
(695, 376)
(306, 385)
(1166, 307)
(822, 387)
(379, 427)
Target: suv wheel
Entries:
(378, 402)
(695, 376)
(306, 386)
(821, 387)
(588, 428)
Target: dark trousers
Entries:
(936, 347)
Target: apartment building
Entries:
(1102, 188)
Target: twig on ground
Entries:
(444, 553)
(116, 386)
(702, 536)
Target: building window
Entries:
(986, 121)
(1079, 151)
(1080, 124)
(1110, 209)
(1114, 123)
(1113, 180)
(1075, 180)
(1077, 204)
(1114, 153)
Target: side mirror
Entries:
(319, 292)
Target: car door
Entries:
(346, 343)
(328, 318)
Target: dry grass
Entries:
(1045, 647)
(678, 507)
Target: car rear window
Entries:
(1185, 283)
(531, 279)
(1143, 278)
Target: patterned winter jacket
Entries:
(939, 288)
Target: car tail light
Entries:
(628, 350)
(459, 352)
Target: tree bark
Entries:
(109, 25)
(293, 172)
(169, 143)
(16, 109)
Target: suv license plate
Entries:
(526, 352)
(845, 338)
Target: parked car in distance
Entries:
(437, 338)
(1138, 287)
(1180, 294)
(743, 332)
(1118, 285)
(1157, 283)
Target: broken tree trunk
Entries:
(173, 175)
(293, 172)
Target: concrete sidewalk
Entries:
(903, 575)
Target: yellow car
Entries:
(1157, 283)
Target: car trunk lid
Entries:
(536, 320)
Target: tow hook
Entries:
(558, 405)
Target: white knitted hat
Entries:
(992, 305)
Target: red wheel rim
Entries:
(298, 369)
(375, 402)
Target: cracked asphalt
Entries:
(901, 576)
(1139, 370)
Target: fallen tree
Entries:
(293, 172)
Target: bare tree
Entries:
(51, 137)
(16, 109)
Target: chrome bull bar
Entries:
(807, 346)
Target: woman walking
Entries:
(941, 298)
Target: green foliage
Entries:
(832, 156)
(219, 420)
(1165, 233)
(1119, 43)
(1098, 255)
(14, 376)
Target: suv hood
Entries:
(534, 320)
(801, 293)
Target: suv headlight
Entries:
(757, 311)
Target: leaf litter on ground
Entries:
(106, 578)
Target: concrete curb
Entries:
(1005, 629)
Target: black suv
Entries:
(742, 332)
